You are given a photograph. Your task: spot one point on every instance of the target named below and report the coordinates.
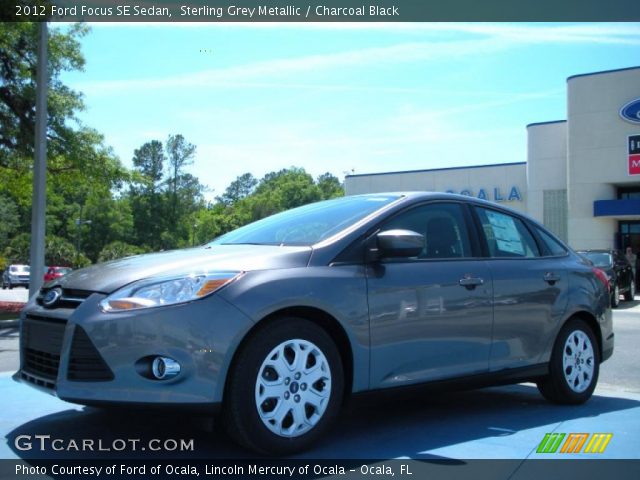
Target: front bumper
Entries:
(85, 356)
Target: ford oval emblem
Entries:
(52, 297)
(631, 111)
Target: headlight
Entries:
(158, 292)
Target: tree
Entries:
(240, 188)
(118, 249)
(149, 161)
(18, 61)
(78, 161)
(8, 219)
(147, 200)
(330, 186)
(180, 155)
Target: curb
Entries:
(9, 323)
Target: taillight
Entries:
(602, 277)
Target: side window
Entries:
(506, 236)
(554, 247)
(443, 226)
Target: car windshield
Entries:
(599, 259)
(20, 269)
(309, 224)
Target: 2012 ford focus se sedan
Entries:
(277, 322)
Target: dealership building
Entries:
(582, 175)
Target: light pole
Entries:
(79, 223)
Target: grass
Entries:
(8, 315)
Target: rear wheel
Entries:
(628, 296)
(615, 296)
(285, 388)
(574, 366)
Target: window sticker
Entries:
(506, 233)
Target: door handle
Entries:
(551, 278)
(470, 282)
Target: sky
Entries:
(338, 97)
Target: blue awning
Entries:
(615, 208)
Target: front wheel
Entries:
(628, 296)
(285, 388)
(574, 366)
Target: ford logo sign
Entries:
(631, 111)
(52, 297)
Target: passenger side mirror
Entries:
(399, 244)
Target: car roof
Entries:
(430, 195)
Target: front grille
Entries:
(42, 342)
(85, 363)
(71, 298)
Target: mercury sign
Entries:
(494, 194)
(634, 154)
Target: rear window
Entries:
(506, 236)
(599, 259)
(553, 247)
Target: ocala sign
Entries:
(494, 194)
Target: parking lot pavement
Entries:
(494, 423)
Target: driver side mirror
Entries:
(396, 244)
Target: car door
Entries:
(530, 290)
(431, 315)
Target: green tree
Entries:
(180, 155)
(8, 219)
(147, 199)
(18, 62)
(118, 249)
(330, 186)
(240, 188)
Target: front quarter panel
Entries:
(339, 291)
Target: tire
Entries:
(628, 296)
(568, 382)
(268, 362)
(615, 296)
(10, 286)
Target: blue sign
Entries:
(631, 111)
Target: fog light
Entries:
(164, 367)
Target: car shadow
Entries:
(406, 424)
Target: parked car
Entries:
(276, 323)
(55, 272)
(618, 270)
(15, 275)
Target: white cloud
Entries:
(486, 38)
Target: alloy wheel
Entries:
(293, 388)
(578, 361)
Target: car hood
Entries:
(109, 276)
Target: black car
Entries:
(618, 270)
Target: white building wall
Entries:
(546, 163)
(597, 151)
(502, 177)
